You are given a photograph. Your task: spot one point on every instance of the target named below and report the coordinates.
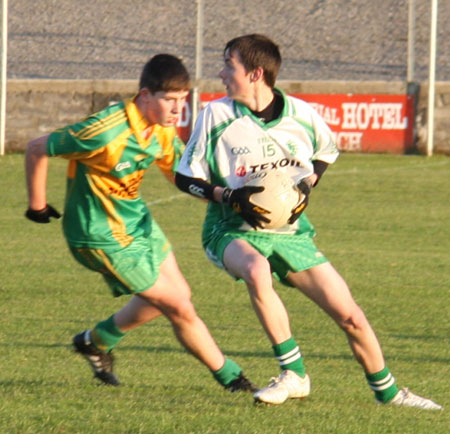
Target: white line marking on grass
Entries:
(335, 172)
(167, 199)
(385, 169)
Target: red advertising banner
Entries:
(184, 123)
(361, 123)
(367, 123)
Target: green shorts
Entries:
(132, 269)
(285, 252)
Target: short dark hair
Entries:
(255, 51)
(164, 72)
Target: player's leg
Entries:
(323, 285)
(126, 271)
(96, 344)
(171, 295)
(135, 313)
(245, 262)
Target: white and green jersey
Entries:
(229, 143)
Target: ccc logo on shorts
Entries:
(240, 150)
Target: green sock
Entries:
(106, 335)
(227, 373)
(289, 356)
(383, 384)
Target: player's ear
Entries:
(145, 93)
(257, 74)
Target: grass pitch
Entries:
(382, 220)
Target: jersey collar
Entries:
(243, 110)
(138, 123)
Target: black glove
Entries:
(43, 215)
(239, 200)
(304, 189)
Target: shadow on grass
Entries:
(258, 354)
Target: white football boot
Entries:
(406, 398)
(287, 385)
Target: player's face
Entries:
(164, 108)
(234, 76)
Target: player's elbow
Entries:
(37, 147)
(184, 183)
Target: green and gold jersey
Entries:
(109, 153)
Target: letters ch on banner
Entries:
(368, 123)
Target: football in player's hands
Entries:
(304, 190)
(239, 200)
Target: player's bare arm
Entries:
(36, 168)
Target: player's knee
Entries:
(185, 291)
(256, 271)
(182, 311)
(353, 321)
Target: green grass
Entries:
(382, 220)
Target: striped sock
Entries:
(289, 356)
(383, 384)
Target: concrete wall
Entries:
(36, 107)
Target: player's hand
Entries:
(304, 189)
(239, 200)
(42, 215)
